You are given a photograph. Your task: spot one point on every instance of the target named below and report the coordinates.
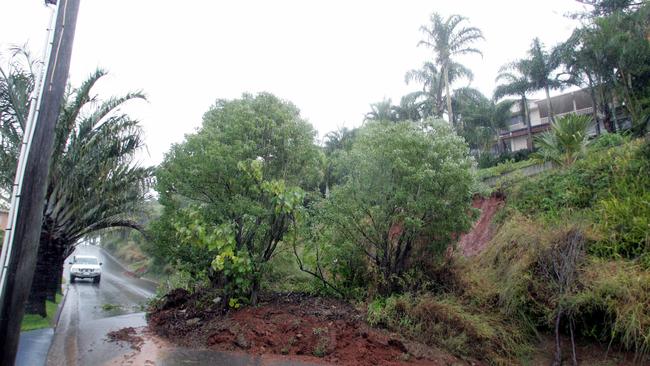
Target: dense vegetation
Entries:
(373, 214)
(251, 202)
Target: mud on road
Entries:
(302, 327)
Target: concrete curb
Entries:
(59, 308)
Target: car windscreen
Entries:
(85, 260)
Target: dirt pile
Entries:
(302, 327)
(127, 335)
(481, 233)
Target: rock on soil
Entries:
(299, 326)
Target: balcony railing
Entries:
(588, 110)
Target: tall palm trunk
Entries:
(529, 128)
(450, 113)
(549, 104)
(48, 274)
(43, 274)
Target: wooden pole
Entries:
(29, 217)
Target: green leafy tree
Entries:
(93, 182)
(409, 192)
(449, 38)
(566, 141)
(336, 144)
(245, 173)
(610, 55)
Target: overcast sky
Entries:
(330, 58)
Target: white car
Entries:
(85, 266)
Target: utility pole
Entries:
(29, 194)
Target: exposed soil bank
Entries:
(481, 233)
(306, 328)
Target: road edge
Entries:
(57, 316)
(105, 252)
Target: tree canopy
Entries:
(240, 177)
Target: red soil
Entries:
(477, 239)
(127, 335)
(302, 327)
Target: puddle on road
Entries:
(118, 309)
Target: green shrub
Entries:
(488, 160)
(608, 140)
(503, 168)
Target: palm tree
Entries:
(516, 84)
(93, 183)
(409, 109)
(580, 66)
(381, 111)
(430, 97)
(482, 118)
(16, 86)
(565, 142)
(539, 68)
(449, 38)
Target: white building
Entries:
(578, 102)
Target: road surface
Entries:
(90, 311)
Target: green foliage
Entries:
(450, 38)
(408, 190)
(503, 168)
(244, 174)
(608, 140)
(482, 118)
(609, 186)
(447, 322)
(565, 142)
(488, 160)
(607, 302)
(232, 264)
(613, 305)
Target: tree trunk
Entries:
(524, 106)
(255, 290)
(594, 102)
(551, 114)
(450, 113)
(38, 291)
(604, 106)
(47, 276)
(617, 127)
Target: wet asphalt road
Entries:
(92, 310)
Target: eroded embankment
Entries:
(481, 233)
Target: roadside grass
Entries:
(33, 322)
